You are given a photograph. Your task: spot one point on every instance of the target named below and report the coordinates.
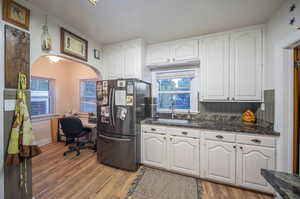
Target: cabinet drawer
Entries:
(184, 132)
(220, 136)
(256, 140)
(153, 129)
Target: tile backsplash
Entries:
(225, 107)
(269, 112)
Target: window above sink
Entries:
(177, 87)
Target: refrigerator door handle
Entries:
(109, 105)
(115, 139)
(112, 106)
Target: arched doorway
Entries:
(60, 86)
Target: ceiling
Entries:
(158, 20)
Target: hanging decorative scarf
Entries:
(22, 145)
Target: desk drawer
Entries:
(184, 132)
(256, 140)
(220, 136)
(153, 129)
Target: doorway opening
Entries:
(296, 132)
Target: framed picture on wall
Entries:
(73, 45)
(16, 14)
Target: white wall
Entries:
(278, 76)
(36, 22)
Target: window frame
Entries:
(51, 97)
(82, 80)
(194, 90)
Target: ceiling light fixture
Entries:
(94, 2)
(54, 59)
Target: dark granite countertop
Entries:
(234, 126)
(287, 185)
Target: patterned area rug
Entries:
(157, 184)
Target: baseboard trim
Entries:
(43, 142)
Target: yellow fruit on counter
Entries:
(249, 116)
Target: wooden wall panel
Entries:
(296, 112)
(17, 56)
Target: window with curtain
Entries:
(42, 102)
(88, 96)
(177, 89)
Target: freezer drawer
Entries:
(118, 152)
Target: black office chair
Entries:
(73, 130)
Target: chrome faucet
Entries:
(172, 108)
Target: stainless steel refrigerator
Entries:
(121, 106)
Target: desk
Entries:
(85, 123)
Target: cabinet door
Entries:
(250, 160)
(158, 54)
(185, 50)
(184, 155)
(132, 61)
(246, 65)
(115, 62)
(155, 150)
(215, 69)
(220, 161)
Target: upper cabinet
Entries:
(246, 65)
(172, 52)
(215, 68)
(231, 67)
(125, 60)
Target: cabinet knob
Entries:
(168, 60)
(171, 139)
(228, 98)
(184, 133)
(233, 98)
(152, 129)
(174, 59)
(241, 148)
(234, 147)
(164, 138)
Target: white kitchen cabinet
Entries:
(155, 150)
(185, 50)
(215, 68)
(220, 161)
(184, 155)
(250, 161)
(231, 67)
(125, 60)
(158, 54)
(246, 65)
(182, 50)
(115, 62)
(132, 60)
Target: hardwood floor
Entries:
(81, 177)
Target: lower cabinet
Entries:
(155, 150)
(174, 153)
(184, 155)
(220, 158)
(250, 160)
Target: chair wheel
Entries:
(78, 153)
(65, 153)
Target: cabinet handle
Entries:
(184, 133)
(219, 137)
(256, 141)
(152, 129)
